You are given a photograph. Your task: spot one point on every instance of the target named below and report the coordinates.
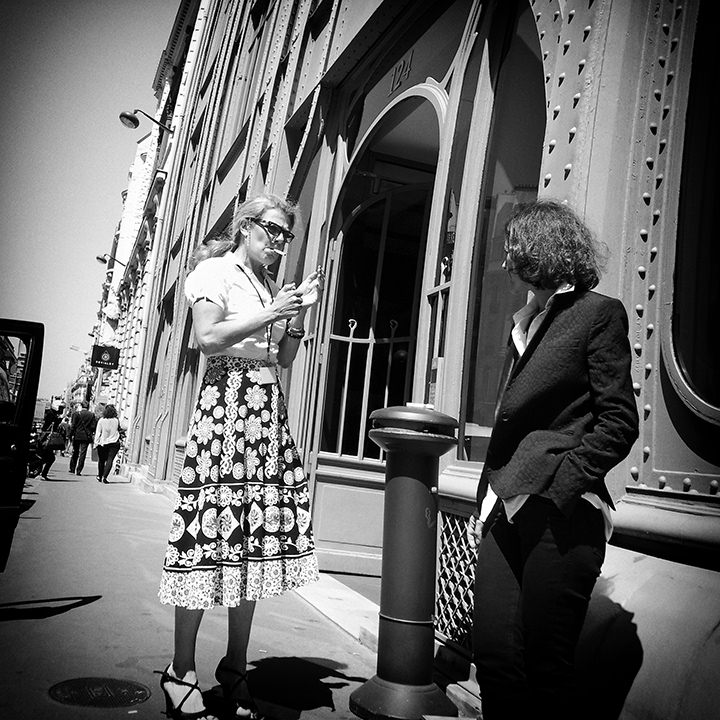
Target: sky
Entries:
(68, 68)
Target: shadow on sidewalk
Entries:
(284, 687)
(41, 609)
(61, 479)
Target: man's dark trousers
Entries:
(533, 584)
(77, 459)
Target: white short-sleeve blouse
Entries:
(239, 294)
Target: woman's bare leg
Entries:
(239, 625)
(187, 624)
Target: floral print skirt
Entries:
(241, 525)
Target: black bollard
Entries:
(402, 689)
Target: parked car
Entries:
(21, 345)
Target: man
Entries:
(82, 431)
(565, 417)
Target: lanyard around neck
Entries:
(268, 328)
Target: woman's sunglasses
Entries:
(273, 230)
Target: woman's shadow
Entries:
(284, 687)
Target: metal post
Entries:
(402, 689)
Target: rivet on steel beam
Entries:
(648, 369)
(556, 15)
(556, 111)
(567, 170)
(561, 79)
(646, 198)
(658, 180)
(586, 32)
(649, 162)
(662, 144)
(547, 179)
(551, 145)
(647, 409)
(634, 472)
(661, 60)
(673, 44)
(537, 17)
(639, 309)
(666, 28)
(542, 34)
(665, 112)
(669, 78)
(650, 329)
(651, 291)
(571, 15)
(547, 77)
(662, 482)
(642, 271)
(653, 128)
(637, 388)
(653, 253)
(576, 99)
(566, 47)
(581, 65)
(658, 95)
(678, 11)
(637, 347)
(656, 216)
(644, 235)
(646, 453)
(713, 487)
(687, 484)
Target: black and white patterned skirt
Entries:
(241, 526)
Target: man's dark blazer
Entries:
(82, 426)
(567, 414)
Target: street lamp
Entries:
(131, 120)
(104, 258)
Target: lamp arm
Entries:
(152, 119)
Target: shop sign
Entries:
(105, 356)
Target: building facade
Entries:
(406, 132)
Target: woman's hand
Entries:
(287, 303)
(312, 286)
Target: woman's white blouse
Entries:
(107, 431)
(240, 295)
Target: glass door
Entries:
(374, 324)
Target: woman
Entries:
(241, 528)
(51, 424)
(565, 417)
(107, 442)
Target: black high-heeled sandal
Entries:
(176, 713)
(231, 693)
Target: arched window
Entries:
(510, 176)
(697, 260)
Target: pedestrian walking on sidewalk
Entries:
(82, 430)
(107, 442)
(565, 417)
(64, 430)
(48, 441)
(241, 528)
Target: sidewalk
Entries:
(78, 600)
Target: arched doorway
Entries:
(370, 327)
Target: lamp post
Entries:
(131, 120)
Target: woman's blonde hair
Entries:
(229, 239)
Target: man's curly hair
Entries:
(549, 245)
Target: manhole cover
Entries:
(99, 692)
